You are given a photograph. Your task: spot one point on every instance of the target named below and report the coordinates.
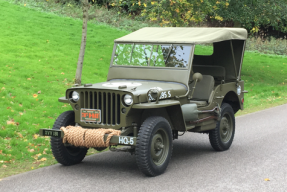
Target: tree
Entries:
(86, 7)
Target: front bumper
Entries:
(118, 140)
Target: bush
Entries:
(270, 46)
(250, 14)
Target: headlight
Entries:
(75, 96)
(128, 99)
(238, 90)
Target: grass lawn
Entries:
(38, 57)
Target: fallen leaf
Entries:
(20, 105)
(35, 95)
(35, 136)
(266, 179)
(3, 88)
(1, 161)
(20, 135)
(39, 92)
(43, 159)
(8, 108)
(4, 166)
(11, 123)
(32, 167)
(0, 151)
(21, 113)
(29, 79)
(44, 152)
(62, 73)
(31, 150)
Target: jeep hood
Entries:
(137, 87)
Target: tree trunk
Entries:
(83, 42)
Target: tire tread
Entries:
(58, 149)
(144, 135)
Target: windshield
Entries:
(152, 55)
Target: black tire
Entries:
(66, 155)
(99, 148)
(222, 136)
(154, 146)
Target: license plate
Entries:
(126, 140)
(91, 115)
(53, 133)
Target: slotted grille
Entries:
(108, 103)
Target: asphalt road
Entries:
(257, 153)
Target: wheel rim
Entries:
(226, 128)
(159, 147)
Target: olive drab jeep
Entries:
(157, 89)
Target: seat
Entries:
(202, 90)
(218, 72)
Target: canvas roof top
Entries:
(190, 35)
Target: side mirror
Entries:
(197, 76)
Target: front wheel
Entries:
(222, 136)
(66, 155)
(154, 146)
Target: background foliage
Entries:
(254, 15)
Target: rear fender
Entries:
(232, 99)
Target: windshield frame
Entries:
(190, 58)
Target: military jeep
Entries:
(157, 89)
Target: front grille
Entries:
(108, 103)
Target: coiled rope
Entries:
(81, 137)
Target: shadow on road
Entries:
(114, 164)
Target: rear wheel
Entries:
(222, 136)
(154, 146)
(66, 155)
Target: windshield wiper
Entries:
(168, 54)
(155, 55)
(132, 53)
(145, 55)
